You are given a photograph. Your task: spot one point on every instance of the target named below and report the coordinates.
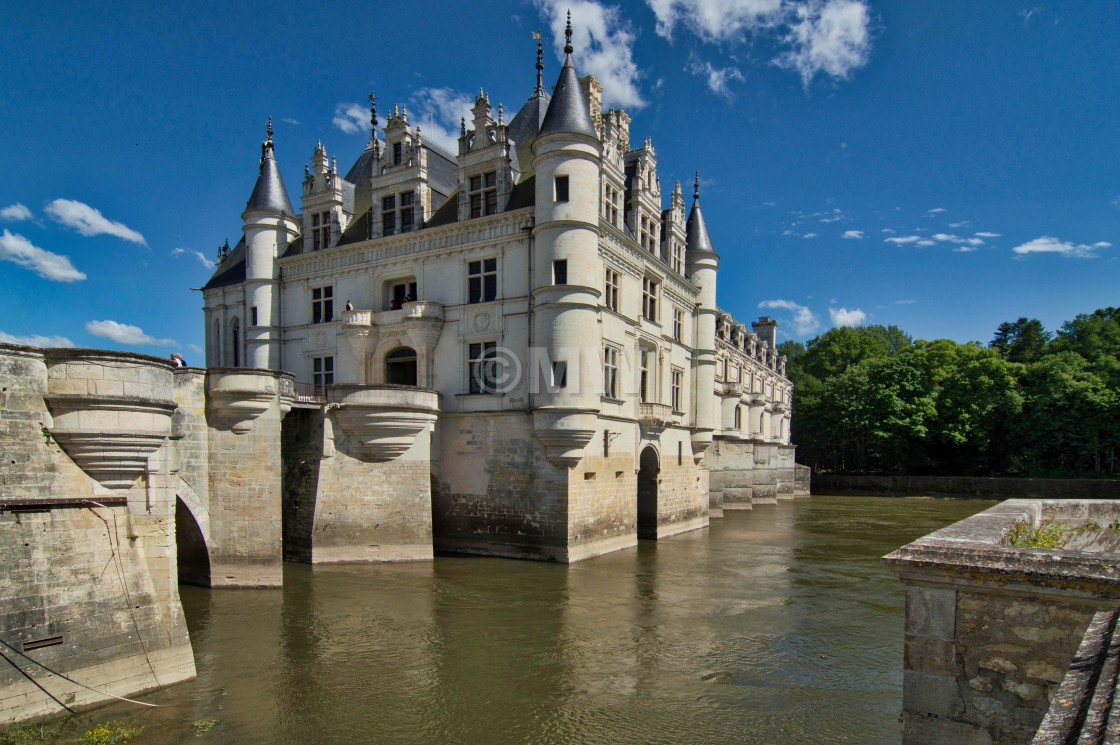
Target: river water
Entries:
(778, 625)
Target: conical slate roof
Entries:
(698, 240)
(567, 111)
(269, 193)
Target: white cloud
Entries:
(804, 322)
(965, 249)
(290, 120)
(122, 333)
(351, 118)
(197, 254)
(888, 230)
(438, 111)
(949, 238)
(15, 213)
(18, 250)
(902, 240)
(36, 340)
(960, 224)
(809, 235)
(195, 348)
(853, 235)
(604, 46)
(986, 234)
(718, 78)
(936, 210)
(829, 36)
(926, 242)
(905, 302)
(716, 21)
(845, 317)
(1049, 244)
(89, 221)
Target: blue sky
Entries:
(940, 166)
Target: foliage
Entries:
(1046, 535)
(872, 398)
(202, 726)
(109, 733)
(30, 734)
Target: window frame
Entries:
(322, 304)
(481, 382)
(610, 370)
(651, 296)
(612, 284)
(485, 272)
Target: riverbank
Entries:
(964, 487)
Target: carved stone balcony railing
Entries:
(732, 388)
(758, 398)
(780, 407)
(655, 415)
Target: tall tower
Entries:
(702, 264)
(269, 225)
(566, 269)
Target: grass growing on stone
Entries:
(1049, 534)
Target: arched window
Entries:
(216, 348)
(235, 342)
(400, 367)
(738, 418)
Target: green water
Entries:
(778, 625)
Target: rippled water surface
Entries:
(779, 625)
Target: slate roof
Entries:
(567, 111)
(232, 270)
(269, 193)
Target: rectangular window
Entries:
(678, 324)
(322, 304)
(560, 374)
(561, 188)
(677, 380)
(396, 153)
(611, 294)
(482, 281)
(648, 234)
(483, 193)
(389, 215)
(610, 372)
(406, 211)
(322, 371)
(320, 230)
(402, 292)
(482, 369)
(677, 257)
(253, 315)
(611, 200)
(650, 291)
(644, 382)
(560, 272)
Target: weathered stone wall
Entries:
(966, 486)
(340, 507)
(497, 492)
(603, 504)
(244, 481)
(99, 580)
(682, 495)
(731, 463)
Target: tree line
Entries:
(1030, 403)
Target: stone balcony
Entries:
(655, 415)
(732, 388)
(756, 398)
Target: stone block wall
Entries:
(731, 464)
(603, 505)
(339, 507)
(682, 495)
(497, 493)
(95, 585)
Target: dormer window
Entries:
(648, 234)
(676, 256)
(320, 230)
(397, 150)
(389, 215)
(612, 198)
(483, 193)
(406, 211)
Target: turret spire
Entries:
(540, 63)
(374, 143)
(568, 35)
(568, 111)
(698, 240)
(269, 193)
(696, 188)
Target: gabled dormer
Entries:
(614, 127)
(643, 197)
(673, 232)
(484, 173)
(401, 196)
(327, 201)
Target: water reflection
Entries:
(775, 626)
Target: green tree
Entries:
(1024, 340)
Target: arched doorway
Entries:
(648, 469)
(400, 367)
(192, 557)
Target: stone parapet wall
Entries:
(991, 629)
(966, 486)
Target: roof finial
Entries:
(501, 114)
(696, 190)
(268, 130)
(568, 35)
(462, 126)
(372, 114)
(540, 62)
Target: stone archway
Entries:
(648, 469)
(401, 367)
(192, 556)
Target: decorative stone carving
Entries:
(655, 415)
(384, 420)
(241, 395)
